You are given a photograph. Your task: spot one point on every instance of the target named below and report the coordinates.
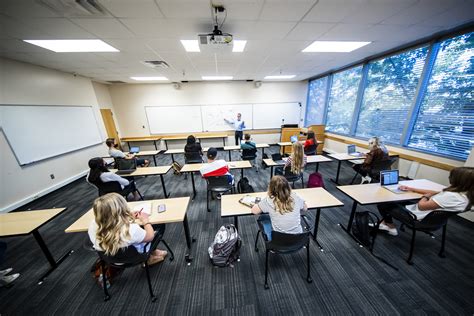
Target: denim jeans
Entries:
(266, 223)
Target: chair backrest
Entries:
(290, 176)
(108, 187)
(285, 243)
(125, 164)
(125, 257)
(249, 154)
(381, 165)
(218, 182)
(311, 150)
(192, 157)
(434, 220)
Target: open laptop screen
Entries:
(351, 149)
(134, 150)
(294, 139)
(388, 177)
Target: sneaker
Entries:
(6, 280)
(389, 230)
(5, 272)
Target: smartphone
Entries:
(161, 208)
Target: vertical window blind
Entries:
(317, 92)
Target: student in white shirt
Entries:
(239, 127)
(458, 197)
(99, 174)
(115, 153)
(115, 226)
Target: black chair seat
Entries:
(311, 150)
(219, 184)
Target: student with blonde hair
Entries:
(281, 207)
(115, 226)
(295, 162)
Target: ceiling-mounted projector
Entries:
(216, 38)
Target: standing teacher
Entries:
(239, 126)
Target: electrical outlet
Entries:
(143, 126)
(51, 176)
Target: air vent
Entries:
(115, 81)
(156, 64)
(75, 8)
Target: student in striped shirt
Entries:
(215, 167)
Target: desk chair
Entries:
(251, 155)
(432, 222)
(291, 177)
(191, 157)
(374, 172)
(219, 185)
(114, 186)
(284, 244)
(128, 257)
(311, 151)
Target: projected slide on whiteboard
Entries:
(213, 116)
(39, 132)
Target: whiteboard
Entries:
(174, 119)
(37, 132)
(213, 116)
(273, 115)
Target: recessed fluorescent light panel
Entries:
(149, 78)
(217, 77)
(333, 47)
(239, 46)
(280, 77)
(191, 46)
(74, 46)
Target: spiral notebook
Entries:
(250, 201)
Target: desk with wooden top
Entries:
(237, 147)
(284, 144)
(149, 171)
(195, 167)
(315, 198)
(173, 152)
(198, 136)
(176, 209)
(24, 223)
(374, 193)
(143, 153)
(129, 140)
(314, 159)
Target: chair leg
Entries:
(256, 241)
(266, 270)
(104, 280)
(353, 179)
(443, 241)
(153, 297)
(412, 247)
(207, 200)
(308, 277)
(169, 249)
(141, 196)
(302, 182)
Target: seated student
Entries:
(115, 226)
(5, 279)
(115, 153)
(375, 154)
(193, 149)
(281, 207)
(458, 197)
(215, 167)
(310, 144)
(248, 144)
(296, 161)
(99, 173)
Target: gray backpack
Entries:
(224, 250)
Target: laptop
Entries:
(134, 150)
(277, 158)
(351, 150)
(125, 166)
(294, 139)
(389, 181)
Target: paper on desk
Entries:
(145, 207)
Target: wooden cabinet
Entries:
(286, 133)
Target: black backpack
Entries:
(225, 248)
(243, 186)
(362, 231)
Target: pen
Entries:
(140, 212)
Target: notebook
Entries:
(250, 201)
(126, 166)
(389, 181)
(144, 207)
(134, 150)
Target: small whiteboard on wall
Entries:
(36, 132)
(273, 115)
(213, 116)
(174, 119)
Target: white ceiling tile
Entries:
(284, 10)
(375, 12)
(185, 9)
(58, 28)
(347, 32)
(421, 11)
(104, 28)
(171, 29)
(309, 31)
(25, 8)
(132, 9)
(13, 28)
(243, 10)
(270, 30)
(456, 15)
(332, 10)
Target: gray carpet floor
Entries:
(346, 278)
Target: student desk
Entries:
(346, 157)
(284, 144)
(176, 209)
(152, 153)
(374, 193)
(28, 222)
(173, 152)
(194, 167)
(149, 171)
(316, 159)
(153, 139)
(198, 137)
(237, 147)
(315, 198)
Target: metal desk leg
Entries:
(172, 157)
(164, 187)
(351, 219)
(154, 160)
(271, 173)
(230, 155)
(54, 264)
(128, 144)
(223, 140)
(236, 222)
(241, 173)
(156, 147)
(337, 173)
(194, 187)
(166, 144)
(316, 226)
(317, 166)
(189, 240)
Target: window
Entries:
(317, 91)
(342, 100)
(445, 120)
(389, 94)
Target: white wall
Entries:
(129, 101)
(22, 83)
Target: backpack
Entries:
(225, 248)
(315, 180)
(243, 186)
(361, 230)
(176, 168)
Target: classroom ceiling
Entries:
(276, 31)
